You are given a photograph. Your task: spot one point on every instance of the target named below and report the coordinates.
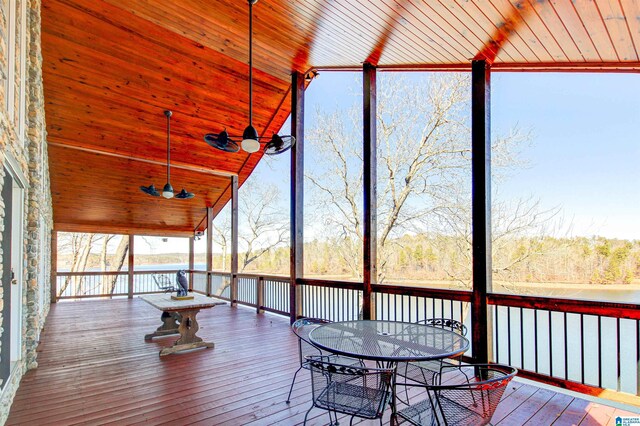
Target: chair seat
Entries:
(348, 398)
(421, 414)
(468, 398)
(422, 371)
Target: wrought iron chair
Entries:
(354, 390)
(302, 328)
(425, 371)
(164, 283)
(471, 401)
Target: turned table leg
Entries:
(169, 325)
(188, 339)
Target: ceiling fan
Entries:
(167, 191)
(250, 141)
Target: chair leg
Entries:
(306, 415)
(292, 383)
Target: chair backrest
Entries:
(471, 393)
(302, 328)
(349, 389)
(446, 323)
(163, 282)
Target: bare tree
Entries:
(222, 236)
(263, 227)
(109, 281)
(80, 246)
(424, 154)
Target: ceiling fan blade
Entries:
(221, 141)
(151, 190)
(184, 195)
(279, 144)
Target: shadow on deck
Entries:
(96, 368)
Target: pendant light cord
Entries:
(251, 62)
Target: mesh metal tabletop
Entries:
(388, 341)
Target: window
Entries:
(15, 74)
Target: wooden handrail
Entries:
(90, 274)
(266, 277)
(436, 293)
(590, 307)
(349, 285)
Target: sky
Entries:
(584, 155)
(585, 151)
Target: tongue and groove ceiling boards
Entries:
(111, 67)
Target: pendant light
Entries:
(167, 190)
(250, 141)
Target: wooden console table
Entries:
(179, 317)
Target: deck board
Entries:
(96, 368)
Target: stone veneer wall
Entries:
(32, 158)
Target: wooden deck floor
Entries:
(96, 368)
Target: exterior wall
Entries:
(29, 151)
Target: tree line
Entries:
(438, 258)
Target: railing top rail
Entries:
(589, 307)
(266, 277)
(160, 271)
(349, 285)
(436, 293)
(90, 273)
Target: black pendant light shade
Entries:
(250, 141)
(167, 190)
(250, 133)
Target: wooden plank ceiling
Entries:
(111, 67)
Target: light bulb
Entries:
(250, 145)
(250, 140)
(167, 191)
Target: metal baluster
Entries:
(509, 335)
(497, 333)
(599, 351)
(521, 338)
(566, 350)
(535, 338)
(550, 346)
(618, 351)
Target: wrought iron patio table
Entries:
(388, 342)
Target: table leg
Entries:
(169, 325)
(188, 339)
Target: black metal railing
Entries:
(595, 344)
(275, 291)
(577, 344)
(74, 285)
(339, 301)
